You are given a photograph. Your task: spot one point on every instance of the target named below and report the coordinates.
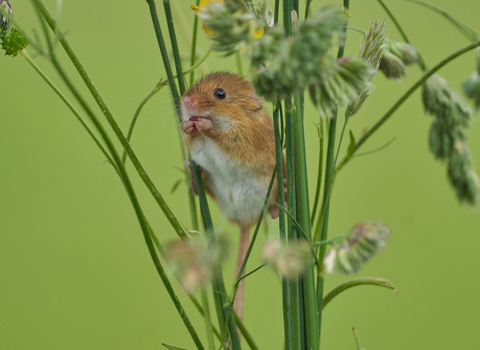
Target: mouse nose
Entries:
(189, 102)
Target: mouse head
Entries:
(224, 98)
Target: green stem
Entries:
(71, 107)
(111, 120)
(144, 224)
(246, 334)
(404, 97)
(208, 322)
(219, 290)
(287, 324)
(330, 167)
(194, 43)
(468, 32)
(252, 241)
(421, 61)
(173, 86)
(307, 8)
(321, 138)
(164, 53)
(63, 75)
(227, 324)
(357, 282)
(157, 88)
(238, 57)
(357, 341)
(294, 290)
(176, 53)
(303, 212)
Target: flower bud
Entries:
(471, 86)
(445, 104)
(343, 79)
(193, 262)
(297, 62)
(442, 138)
(13, 42)
(6, 14)
(290, 259)
(461, 174)
(364, 242)
(392, 66)
(407, 53)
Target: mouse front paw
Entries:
(189, 128)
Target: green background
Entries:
(74, 269)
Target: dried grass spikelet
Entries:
(371, 49)
(365, 241)
(193, 262)
(288, 259)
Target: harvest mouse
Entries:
(231, 137)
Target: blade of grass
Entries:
(161, 84)
(303, 212)
(295, 306)
(468, 32)
(287, 325)
(321, 139)
(329, 175)
(374, 281)
(421, 61)
(193, 51)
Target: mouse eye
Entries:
(220, 94)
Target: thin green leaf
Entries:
(357, 341)
(175, 185)
(468, 32)
(172, 347)
(351, 146)
(358, 282)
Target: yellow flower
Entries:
(257, 31)
(203, 4)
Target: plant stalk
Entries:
(329, 175)
(287, 322)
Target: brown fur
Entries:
(251, 140)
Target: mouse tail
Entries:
(242, 251)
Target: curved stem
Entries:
(162, 83)
(320, 170)
(111, 120)
(329, 175)
(404, 97)
(194, 43)
(421, 61)
(71, 107)
(357, 282)
(466, 31)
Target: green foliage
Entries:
(461, 174)
(267, 46)
(13, 42)
(6, 12)
(297, 62)
(232, 25)
(341, 80)
(471, 86)
(445, 104)
(447, 138)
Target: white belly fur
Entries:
(238, 193)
